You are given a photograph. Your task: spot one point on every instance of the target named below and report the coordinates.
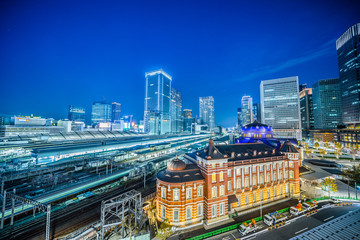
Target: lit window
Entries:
(291, 174)
(163, 192)
(200, 191)
(237, 171)
(176, 194)
(188, 193)
(213, 177)
(214, 192)
(291, 164)
(176, 215)
(221, 176)
(222, 190)
(254, 180)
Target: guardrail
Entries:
(229, 228)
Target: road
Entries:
(299, 226)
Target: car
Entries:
(335, 200)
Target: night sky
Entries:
(57, 53)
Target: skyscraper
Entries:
(116, 111)
(306, 110)
(348, 52)
(239, 118)
(157, 117)
(176, 111)
(327, 104)
(280, 107)
(76, 113)
(247, 110)
(207, 114)
(188, 120)
(101, 112)
(257, 112)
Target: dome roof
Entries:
(176, 165)
(256, 124)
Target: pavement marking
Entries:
(328, 218)
(301, 230)
(233, 236)
(252, 237)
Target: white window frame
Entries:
(178, 213)
(200, 209)
(222, 190)
(200, 191)
(176, 194)
(188, 193)
(221, 209)
(214, 192)
(213, 211)
(163, 212)
(163, 192)
(187, 213)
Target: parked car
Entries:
(335, 200)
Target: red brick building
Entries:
(226, 178)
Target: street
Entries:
(299, 226)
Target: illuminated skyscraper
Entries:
(116, 111)
(348, 51)
(257, 112)
(188, 120)
(176, 111)
(327, 104)
(76, 113)
(306, 110)
(207, 111)
(247, 110)
(101, 112)
(157, 116)
(280, 107)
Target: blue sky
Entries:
(57, 53)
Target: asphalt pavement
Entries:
(295, 228)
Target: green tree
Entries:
(164, 230)
(354, 152)
(353, 173)
(337, 153)
(316, 145)
(329, 185)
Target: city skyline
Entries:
(55, 64)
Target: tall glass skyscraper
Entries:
(327, 104)
(207, 111)
(157, 116)
(101, 112)
(176, 111)
(257, 112)
(247, 110)
(76, 113)
(348, 51)
(116, 111)
(188, 120)
(306, 110)
(280, 107)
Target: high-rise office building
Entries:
(207, 114)
(101, 112)
(188, 120)
(247, 110)
(176, 111)
(327, 104)
(302, 86)
(348, 52)
(306, 110)
(257, 112)
(280, 107)
(239, 118)
(76, 114)
(157, 117)
(116, 111)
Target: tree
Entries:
(337, 153)
(316, 145)
(326, 145)
(329, 185)
(322, 152)
(164, 230)
(354, 153)
(354, 175)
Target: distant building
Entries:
(247, 110)
(349, 136)
(257, 112)
(327, 104)
(101, 112)
(207, 111)
(280, 106)
(116, 111)
(76, 113)
(176, 111)
(302, 86)
(306, 110)
(189, 121)
(348, 53)
(239, 118)
(157, 117)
